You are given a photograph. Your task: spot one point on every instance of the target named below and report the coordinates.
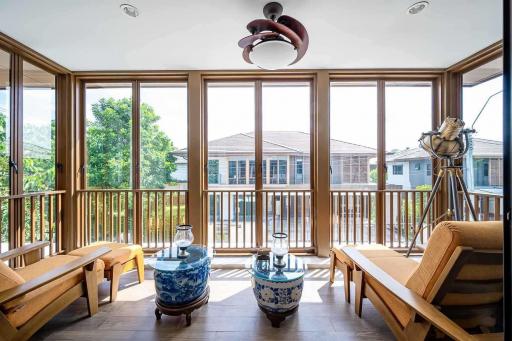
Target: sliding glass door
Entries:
(259, 163)
(380, 178)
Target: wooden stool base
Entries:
(184, 309)
(277, 318)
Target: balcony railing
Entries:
(232, 223)
(146, 217)
(354, 215)
(487, 206)
(30, 217)
(149, 217)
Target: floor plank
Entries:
(231, 314)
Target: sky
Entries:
(490, 123)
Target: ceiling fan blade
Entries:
(246, 41)
(261, 25)
(300, 30)
(246, 52)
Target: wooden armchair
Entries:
(455, 291)
(30, 296)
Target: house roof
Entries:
(482, 148)
(278, 142)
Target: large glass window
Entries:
(353, 129)
(5, 93)
(163, 135)
(483, 164)
(38, 129)
(408, 115)
(286, 132)
(230, 111)
(109, 135)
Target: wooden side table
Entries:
(185, 309)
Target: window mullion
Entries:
(259, 162)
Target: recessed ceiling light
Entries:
(130, 10)
(417, 7)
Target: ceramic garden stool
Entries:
(277, 290)
(181, 283)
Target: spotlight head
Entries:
(448, 141)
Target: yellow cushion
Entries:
(368, 250)
(400, 268)
(20, 310)
(8, 277)
(446, 237)
(121, 253)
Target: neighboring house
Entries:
(411, 168)
(286, 160)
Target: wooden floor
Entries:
(231, 314)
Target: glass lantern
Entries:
(279, 248)
(183, 239)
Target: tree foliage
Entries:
(109, 137)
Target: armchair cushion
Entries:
(8, 277)
(446, 237)
(121, 253)
(400, 268)
(368, 250)
(20, 310)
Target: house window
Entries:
(429, 169)
(417, 166)
(398, 169)
(252, 172)
(273, 172)
(264, 171)
(282, 171)
(232, 172)
(242, 177)
(213, 171)
(298, 170)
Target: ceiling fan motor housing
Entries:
(281, 34)
(273, 10)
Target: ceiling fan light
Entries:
(273, 54)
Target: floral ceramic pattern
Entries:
(278, 296)
(182, 285)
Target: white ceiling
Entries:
(203, 34)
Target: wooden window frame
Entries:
(135, 95)
(257, 82)
(20, 53)
(435, 78)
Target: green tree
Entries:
(4, 156)
(38, 159)
(109, 146)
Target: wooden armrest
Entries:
(409, 297)
(22, 289)
(22, 250)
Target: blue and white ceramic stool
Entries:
(277, 289)
(181, 283)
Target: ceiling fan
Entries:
(275, 42)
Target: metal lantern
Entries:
(183, 239)
(279, 248)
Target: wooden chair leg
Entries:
(346, 281)
(139, 259)
(115, 274)
(91, 286)
(332, 267)
(359, 283)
